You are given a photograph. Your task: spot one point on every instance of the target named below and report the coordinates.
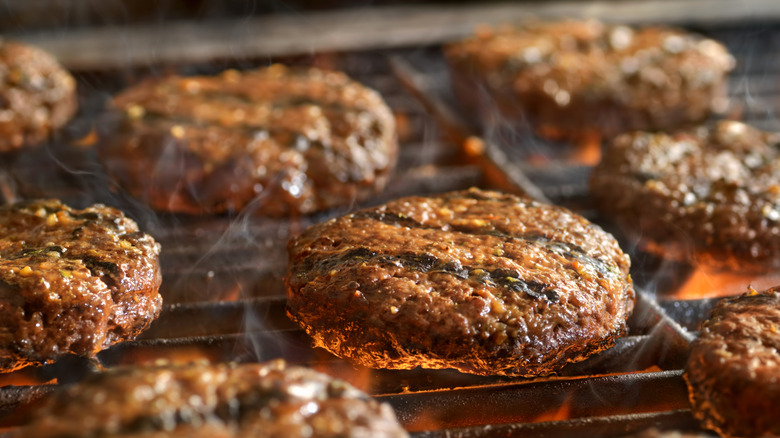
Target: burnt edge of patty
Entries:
(72, 281)
(709, 194)
(277, 140)
(37, 95)
(572, 79)
(387, 290)
(270, 399)
(732, 373)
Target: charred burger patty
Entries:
(733, 372)
(290, 140)
(573, 78)
(72, 281)
(480, 281)
(37, 95)
(710, 194)
(269, 400)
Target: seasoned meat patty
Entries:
(72, 281)
(288, 140)
(733, 372)
(573, 78)
(37, 96)
(711, 194)
(479, 281)
(203, 400)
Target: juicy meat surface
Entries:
(285, 140)
(574, 78)
(710, 194)
(733, 372)
(72, 281)
(480, 281)
(223, 400)
(37, 95)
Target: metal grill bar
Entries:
(606, 426)
(533, 402)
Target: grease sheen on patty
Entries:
(480, 281)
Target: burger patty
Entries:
(574, 78)
(287, 140)
(37, 96)
(480, 281)
(202, 400)
(72, 281)
(733, 372)
(710, 194)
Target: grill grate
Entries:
(225, 299)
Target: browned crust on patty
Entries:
(289, 140)
(37, 96)
(223, 400)
(711, 195)
(480, 281)
(72, 281)
(574, 78)
(733, 373)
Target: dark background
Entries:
(28, 15)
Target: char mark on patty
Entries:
(568, 250)
(426, 263)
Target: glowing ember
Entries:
(24, 377)
(473, 147)
(562, 412)
(587, 150)
(403, 126)
(172, 354)
(357, 376)
(704, 284)
(88, 140)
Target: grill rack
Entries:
(225, 274)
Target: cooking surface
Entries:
(222, 275)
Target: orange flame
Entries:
(358, 376)
(562, 412)
(587, 149)
(23, 377)
(706, 284)
(176, 355)
(90, 139)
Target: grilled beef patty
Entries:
(574, 78)
(479, 281)
(711, 194)
(37, 96)
(733, 373)
(288, 140)
(202, 400)
(72, 281)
